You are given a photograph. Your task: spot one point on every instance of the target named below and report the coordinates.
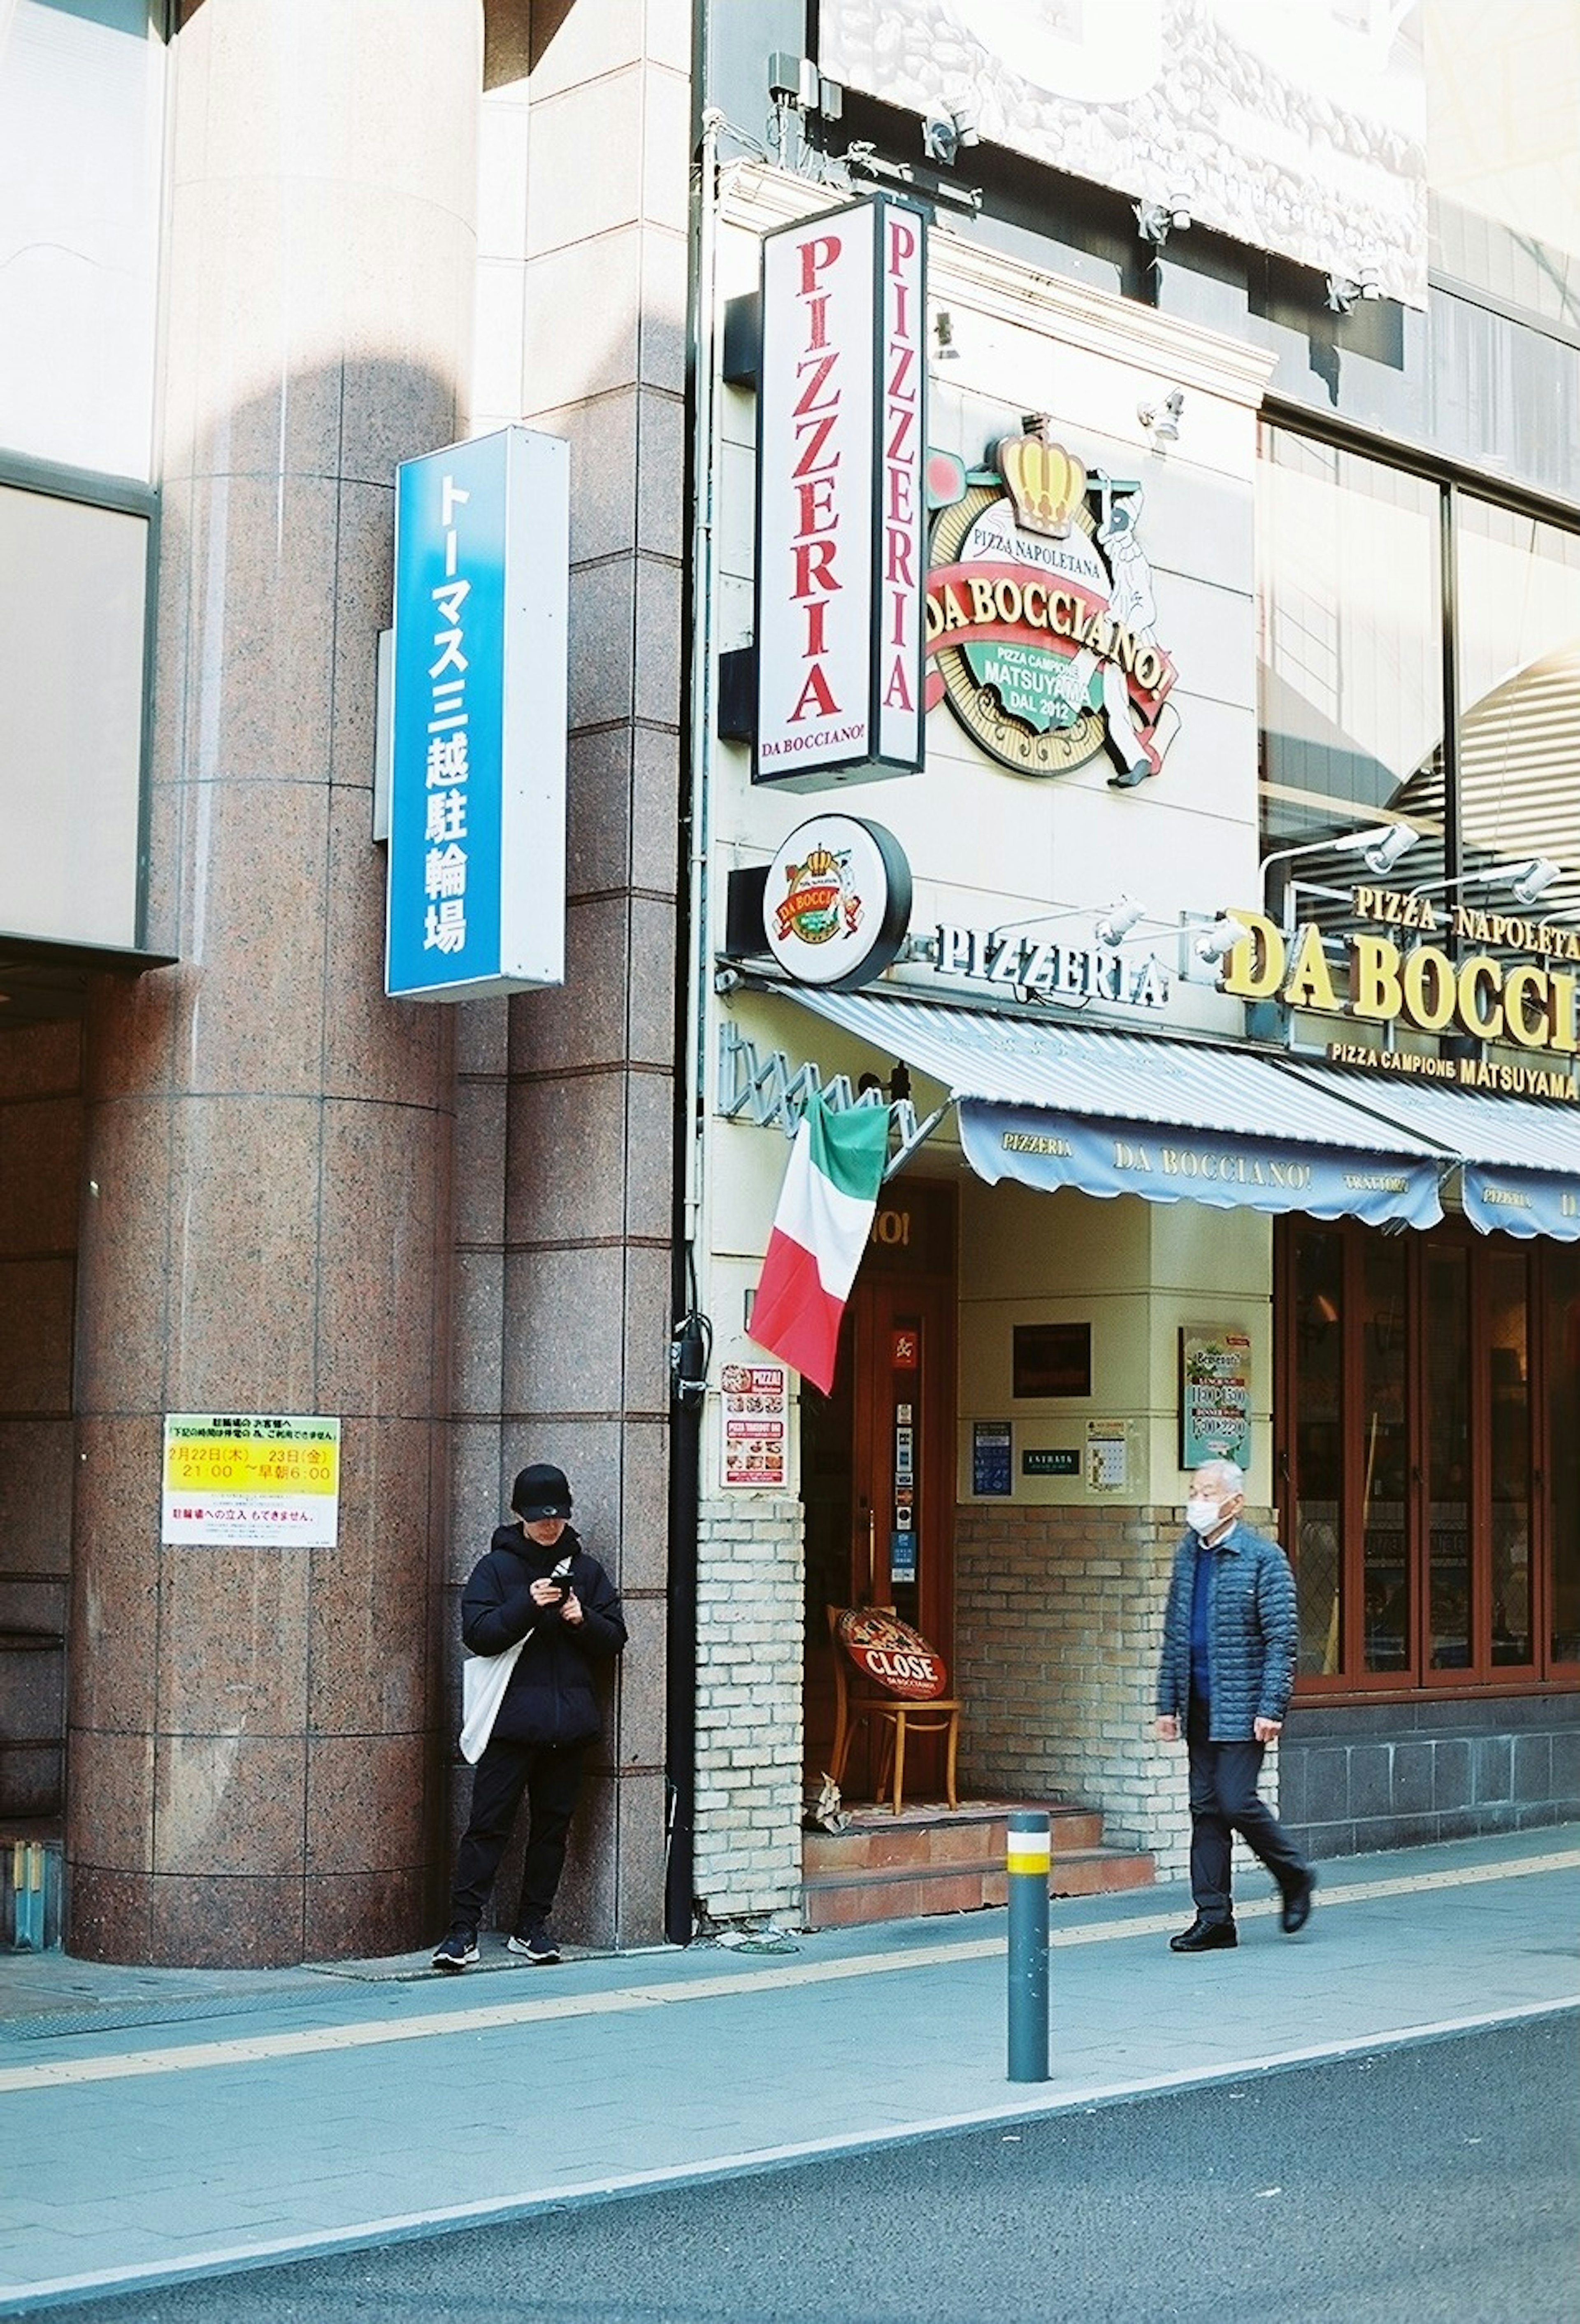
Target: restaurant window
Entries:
(1352, 610)
(1350, 646)
(1428, 1454)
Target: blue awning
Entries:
(1111, 1113)
(1519, 1162)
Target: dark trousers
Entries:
(549, 1778)
(1223, 1801)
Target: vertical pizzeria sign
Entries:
(476, 873)
(841, 498)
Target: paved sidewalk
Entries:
(155, 2125)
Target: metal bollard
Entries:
(1027, 1862)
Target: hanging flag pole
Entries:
(819, 1233)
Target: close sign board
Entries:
(476, 873)
(841, 497)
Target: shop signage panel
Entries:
(755, 1413)
(841, 497)
(253, 1481)
(1051, 1461)
(1431, 987)
(992, 1459)
(836, 902)
(1521, 1202)
(1028, 965)
(477, 869)
(1298, 126)
(1041, 615)
(1163, 1165)
(1214, 1398)
(891, 1654)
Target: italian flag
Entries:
(821, 1230)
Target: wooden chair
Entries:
(857, 1700)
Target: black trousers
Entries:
(549, 1778)
(1223, 1801)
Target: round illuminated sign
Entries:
(837, 902)
(891, 1654)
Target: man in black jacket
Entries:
(538, 1587)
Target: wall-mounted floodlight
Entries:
(1215, 943)
(1344, 291)
(944, 336)
(1155, 221)
(1118, 920)
(1161, 420)
(942, 135)
(1380, 851)
(1535, 879)
(1380, 846)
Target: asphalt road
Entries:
(1414, 2184)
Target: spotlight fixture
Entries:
(1161, 420)
(1118, 920)
(944, 334)
(1345, 290)
(1535, 879)
(942, 135)
(1214, 943)
(1155, 221)
(1379, 849)
(1387, 847)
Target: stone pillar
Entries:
(252, 1773)
(563, 1305)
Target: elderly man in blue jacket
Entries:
(1224, 1682)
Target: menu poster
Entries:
(755, 1407)
(1214, 1398)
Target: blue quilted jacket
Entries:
(1251, 1634)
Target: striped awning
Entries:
(1111, 1113)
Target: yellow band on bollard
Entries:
(1031, 1860)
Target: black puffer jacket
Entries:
(550, 1697)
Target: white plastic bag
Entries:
(483, 1679)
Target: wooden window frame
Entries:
(1418, 1681)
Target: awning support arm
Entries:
(763, 1087)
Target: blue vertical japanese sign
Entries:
(476, 874)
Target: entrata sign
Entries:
(837, 904)
(1040, 617)
(891, 1654)
(841, 468)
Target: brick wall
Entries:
(1059, 1623)
(748, 1856)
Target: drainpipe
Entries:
(691, 1338)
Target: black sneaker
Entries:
(456, 1951)
(535, 1945)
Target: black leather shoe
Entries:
(1297, 1909)
(1205, 1937)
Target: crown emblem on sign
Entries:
(817, 904)
(1046, 485)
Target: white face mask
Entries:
(1200, 1514)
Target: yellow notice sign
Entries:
(259, 1481)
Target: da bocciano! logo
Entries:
(1041, 614)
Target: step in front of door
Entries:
(849, 1895)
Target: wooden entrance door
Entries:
(878, 1464)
